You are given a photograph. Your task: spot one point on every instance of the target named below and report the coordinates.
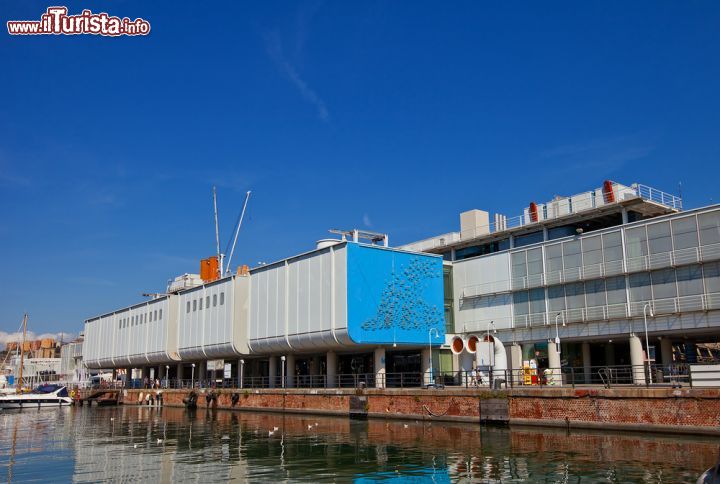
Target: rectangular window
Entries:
(160, 314)
(592, 251)
(556, 298)
(685, 233)
(571, 254)
(709, 228)
(536, 299)
(534, 261)
(519, 266)
(155, 317)
(207, 301)
(659, 238)
(612, 246)
(595, 293)
(520, 303)
(222, 298)
(663, 283)
(553, 258)
(200, 303)
(575, 295)
(689, 280)
(640, 287)
(188, 307)
(194, 305)
(214, 300)
(712, 277)
(533, 238)
(636, 242)
(616, 293)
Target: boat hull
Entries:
(7, 404)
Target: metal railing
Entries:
(552, 210)
(705, 375)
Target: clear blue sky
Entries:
(392, 116)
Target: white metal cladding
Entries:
(207, 328)
(481, 287)
(300, 303)
(138, 335)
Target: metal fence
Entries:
(608, 376)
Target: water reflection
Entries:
(170, 445)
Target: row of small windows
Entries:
(197, 304)
(139, 319)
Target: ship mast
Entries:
(22, 356)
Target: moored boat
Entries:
(42, 396)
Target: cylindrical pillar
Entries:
(331, 368)
(379, 361)
(587, 363)
(272, 371)
(180, 374)
(290, 370)
(637, 360)
(555, 375)
(515, 363)
(666, 352)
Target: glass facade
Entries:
(671, 263)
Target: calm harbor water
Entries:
(168, 445)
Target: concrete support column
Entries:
(515, 363)
(272, 371)
(637, 360)
(290, 370)
(379, 363)
(201, 373)
(587, 363)
(331, 364)
(666, 351)
(555, 375)
(425, 359)
(180, 375)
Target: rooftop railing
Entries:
(559, 207)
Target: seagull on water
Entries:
(271, 432)
(275, 429)
(159, 441)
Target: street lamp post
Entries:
(492, 350)
(557, 332)
(241, 373)
(167, 375)
(192, 376)
(647, 340)
(282, 370)
(437, 335)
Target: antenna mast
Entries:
(237, 231)
(217, 234)
(22, 356)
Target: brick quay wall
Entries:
(693, 411)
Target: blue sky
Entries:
(390, 116)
